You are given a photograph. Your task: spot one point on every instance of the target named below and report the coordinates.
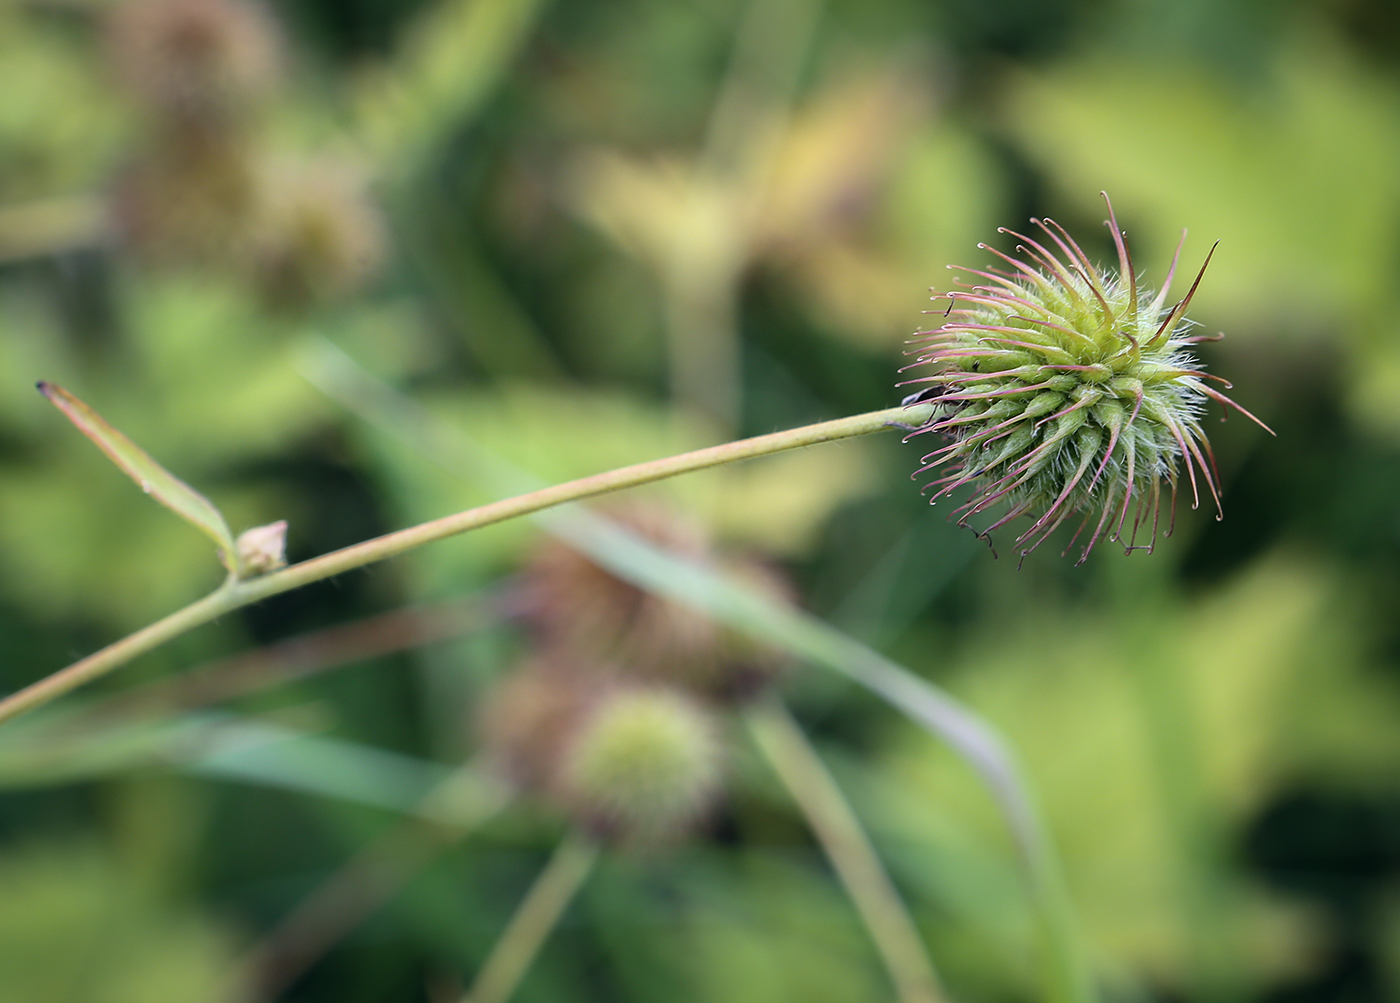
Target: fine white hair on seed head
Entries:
(1064, 389)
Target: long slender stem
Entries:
(202, 611)
(235, 595)
(308, 654)
(546, 901)
(849, 850)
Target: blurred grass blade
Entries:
(270, 755)
(154, 479)
(1065, 968)
(441, 75)
(66, 748)
(853, 857)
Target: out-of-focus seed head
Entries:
(593, 617)
(637, 762)
(582, 607)
(318, 235)
(529, 716)
(1062, 389)
(189, 199)
(195, 58)
(643, 765)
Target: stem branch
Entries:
(855, 861)
(235, 595)
(546, 901)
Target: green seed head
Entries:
(1067, 389)
(644, 764)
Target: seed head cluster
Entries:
(1065, 389)
(616, 715)
(576, 607)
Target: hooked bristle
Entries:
(1064, 388)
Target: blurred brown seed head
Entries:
(188, 198)
(528, 717)
(581, 607)
(595, 617)
(318, 235)
(195, 58)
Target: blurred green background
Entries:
(591, 232)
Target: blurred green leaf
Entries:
(247, 750)
(1297, 177)
(154, 479)
(75, 924)
(1274, 693)
(441, 75)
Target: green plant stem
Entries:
(855, 861)
(546, 901)
(237, 594)
(305, 655)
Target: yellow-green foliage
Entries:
(75, 924)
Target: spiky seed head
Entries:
(644, 764)
(1067, 389)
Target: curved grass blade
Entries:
(154, 479)
(1065, 966)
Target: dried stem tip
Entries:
(1067, 389)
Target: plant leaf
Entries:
(154, 479)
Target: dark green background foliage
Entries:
(524, 216)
